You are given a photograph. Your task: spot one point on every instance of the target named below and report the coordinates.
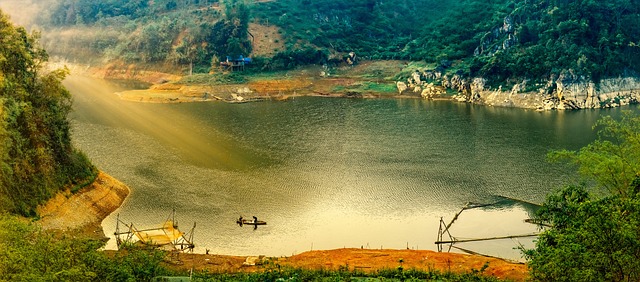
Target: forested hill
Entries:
(36, 156)
(499, 39)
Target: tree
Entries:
(185, 52)
(36, 156)
(235, 30)
(613, 160)
(592, 238)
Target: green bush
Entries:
(29, 254)
(593, 238)
(214, 79)
(286, 60)
(590, 239)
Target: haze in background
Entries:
(26, 12)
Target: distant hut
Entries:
(235, 64)
(351, 59)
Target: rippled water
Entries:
(326, 173)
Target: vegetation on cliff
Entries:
(311, 29)
(585, 38)
(191, 33)
(36, 156)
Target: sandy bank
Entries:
(371, 260)
(258, 90)
(84, 210)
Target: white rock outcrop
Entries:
(401, 87)
(564, 92)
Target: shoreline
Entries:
(352, 82)
(83, 212)
(348, 82)
(353, 259)
(151, 96)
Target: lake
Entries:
(327, 173)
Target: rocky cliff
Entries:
(566, 91)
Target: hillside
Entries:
(500, 40)
(568, 54)
(36, 156)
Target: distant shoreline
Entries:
(351, 82)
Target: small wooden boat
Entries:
(250, 222)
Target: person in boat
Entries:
(240, 221)
(255, 219)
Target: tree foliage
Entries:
(29, 254)
(230, 36)
(613, 160)
(375, 29)
(591, 238)
(36, 156)
(370, 28)
(542, 39)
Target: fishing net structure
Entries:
(166, 237)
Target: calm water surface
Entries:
(326, 173)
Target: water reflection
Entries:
(488, 228)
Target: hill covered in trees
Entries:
(499, 40)
(36, 156)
